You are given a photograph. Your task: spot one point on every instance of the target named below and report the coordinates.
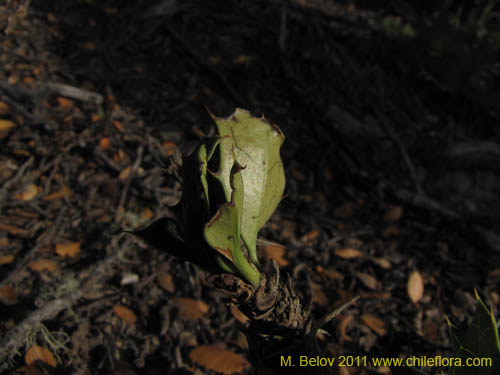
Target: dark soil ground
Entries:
(391, 156)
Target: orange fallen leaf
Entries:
(28, 193)
(219, 360)
(6, 259)
(393, 214)
(39, 353)
(8, 294)
(342, 328)
(169, 147)
(190, 309)
(310, 236)
(15, 231)
(238, 315)
(118, 125)
(4, 108)
(28, 80)
(43, 265)
(105, 143)
(317, 295)
(384, 370)
(275, 251)
(348, 253)
(68, 249)
(5, 127)
(164, 278)
(374, 323)
(95, 117)
(382, 262)
(65, 102)
(329, 273)
(63, 193)
(125, 314)
(415, 286)
(4, 242)
(367, 279)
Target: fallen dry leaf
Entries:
(95, 117)
(39, 353)
(367, 279)
(329, 273)
(317, 295)
(105, 143)
(65, 102)
(238, 315)
(68, 249)
(15, 231)
(8, 294)
(382, 262)
(393, 214)
(118, 125)
(4, 242)
(384, 370)
(63, 193)
(415, 287)
(342, 328)
(276, 252)
(125, 314)
(6, 259)
(5, 127)
(374, 323)
(190, 309)
(348, 253)
(219, 360)
(169, 147)
(43, 265)
(4, 108)
(164, 278)
(28, 193)
(312, 235)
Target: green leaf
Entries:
(203, 159)
(222, 232)
(479, 340)
(255, 145)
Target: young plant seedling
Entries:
(231, 187)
